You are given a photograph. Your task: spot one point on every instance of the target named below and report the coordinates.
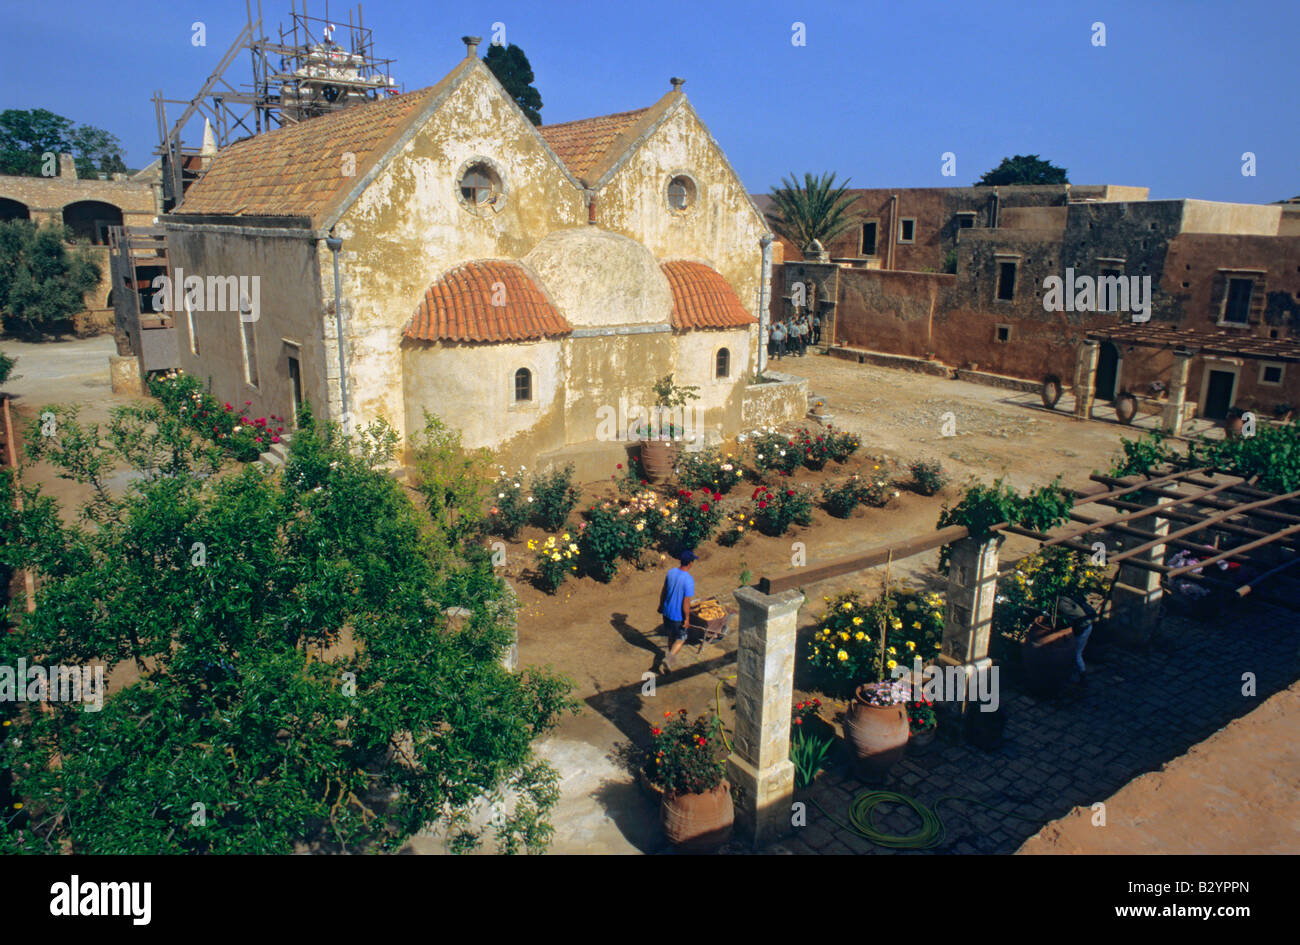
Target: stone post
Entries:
(968, 617)
(760, 766)
(1135, 600)
(1085, 379)
(1175, 410)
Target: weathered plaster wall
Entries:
(771, 404)
(409, 227)
(721, 399)
(290, 311)
(721, 228)
(601, 279)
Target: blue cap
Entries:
(687, 556)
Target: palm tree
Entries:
(817, 211)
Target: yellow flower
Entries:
(891, 664)
(841, 656)
(911, 645)
(896, 623)
(859, 636)
(857, 621)
(848, 605)
(844, 635)
(916, 624)
(565, 537)
(532, 544)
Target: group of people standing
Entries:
(794, 335)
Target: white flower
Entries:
(501, 495)
(530, 498)
(237, 429)
(317, 489)
(782, 452)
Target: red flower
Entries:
(275, 439)
(762, 505)
(248, 403)
(644, 483)
(620, 465)
(228, 407)
(668, 715)
(798, 721)
(656, 731)
(704, 506)
(717, 497)
(789, 492)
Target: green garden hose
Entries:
(862, 811)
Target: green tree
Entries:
(817, 210)
(26, 136)
(298, 687)
(513, 71)
(1024, 169)
(42, 281)
(6, 366)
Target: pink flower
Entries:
(275, 439)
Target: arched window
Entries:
(90, 220)
(681, 192)
(722, 365)
(480, 186)
(523, 385)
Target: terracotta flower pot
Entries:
(1048, 655)
(657, 458)
(1051, 392)
(1126, 408)
(1234, 425)
(698, 823)
(918, 742)
(877, 734)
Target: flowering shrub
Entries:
(734, 529)
(775, 510)
(841, 500)
(921, 717)
(554, 496)
(692, 520)
(555, 560)
(928, 476)
(686, 757)
(233, 430)
(776, 451)
(816, 447)
(708, 470)
(841, 445)
(846, 648)
(611, 533)
(510, 505)
(1035, 585)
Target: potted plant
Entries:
(876, 726)
(658, 449)
(923, 724)
(685, 767)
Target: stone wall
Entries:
(775, 403)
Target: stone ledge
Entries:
(901, 362)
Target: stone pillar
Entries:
(124, 375)
(1085, 379)
(972, 587)
(760, 766)
(1175, 410)
(1135, 600)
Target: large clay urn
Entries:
(698, 823)
(877, 734)
(657, 458)
(1126, 408)
(1048, 655)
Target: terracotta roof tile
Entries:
(584, 144)
(702, 298)
(298, 170)
(458, 307)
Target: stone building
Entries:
(89, 208)
(1217, 269)
(513, 280)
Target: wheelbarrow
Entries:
(714, 629)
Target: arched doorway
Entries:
(1107, 371)
(90, 220)
(13, 210)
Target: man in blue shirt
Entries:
(675, 605)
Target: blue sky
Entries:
(878, 93)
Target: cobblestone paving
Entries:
(1137, 712)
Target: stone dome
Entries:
(600, 279)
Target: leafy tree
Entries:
(26, 136)
(513, 71)
(1024, 169)
(299, 685)
(96, 151)
(818, 210)
(42, 281)
(6, 366)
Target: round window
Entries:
(480, 186)
(681, 192)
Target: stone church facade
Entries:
(513, 280)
